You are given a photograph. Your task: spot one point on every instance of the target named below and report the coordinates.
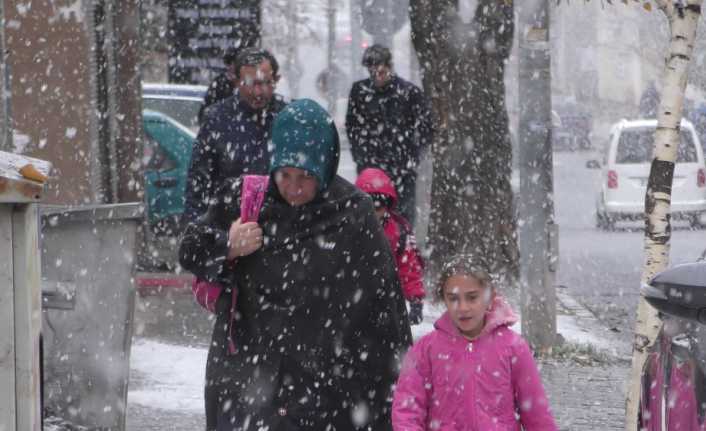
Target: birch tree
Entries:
(463, 70)
(683, 16)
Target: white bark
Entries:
(683, 18)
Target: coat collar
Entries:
(385, 89)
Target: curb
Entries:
(582, 326)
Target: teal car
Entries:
(168, 145)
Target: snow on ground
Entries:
(169, 377)
(165, 376)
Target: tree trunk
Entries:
(683, 20)
(463, 72)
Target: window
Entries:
(636, 145)
(183, 111)
(155, 158)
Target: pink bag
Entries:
(252, 195)
(206, 293)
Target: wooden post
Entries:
(7, 318)
(28, 315)
(20, 292)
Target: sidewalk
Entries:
(585, 394)
(586, 387)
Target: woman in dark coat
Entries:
(319, 323)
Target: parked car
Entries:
(673, 386)
(571, 127)
(626, 167)
(168, 146)
(167, 156)
(178, 101)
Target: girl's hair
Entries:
(464, 264)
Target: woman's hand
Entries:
(243, 239)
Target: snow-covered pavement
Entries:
(167, 379)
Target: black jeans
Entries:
(406, 185)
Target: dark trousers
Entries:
(406, 185)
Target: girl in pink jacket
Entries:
(471, 373)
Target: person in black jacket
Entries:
(388, 123)
(223, 85)
(233, 137)
(320, 322)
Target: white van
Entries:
(626, 167)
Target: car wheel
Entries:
(585, 144)
(600, 221)
(604, 222)
(695, 221)
(609, 222)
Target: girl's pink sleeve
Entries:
(530, 398)
(411, 399)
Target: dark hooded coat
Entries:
(320, 323)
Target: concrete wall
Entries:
(62, 64)
(49, 49)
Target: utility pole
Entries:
(538, 233)
(123, 95)
(356, 39)
(294, 72)
(384, 32)
(331, 66)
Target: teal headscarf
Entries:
(304, 136)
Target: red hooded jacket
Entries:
(410, 267)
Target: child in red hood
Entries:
(410, 267)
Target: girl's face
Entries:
(380, 213)
(467, 301)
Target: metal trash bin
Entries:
(88, 300)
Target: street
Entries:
(602, 269)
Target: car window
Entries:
(184, 111)
(636, 146)
(155, 158)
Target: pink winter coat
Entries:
(449, 383)
(683, 406)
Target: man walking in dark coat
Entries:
(388, 123)
(320, 321)
(223, 85)
(233, 137)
